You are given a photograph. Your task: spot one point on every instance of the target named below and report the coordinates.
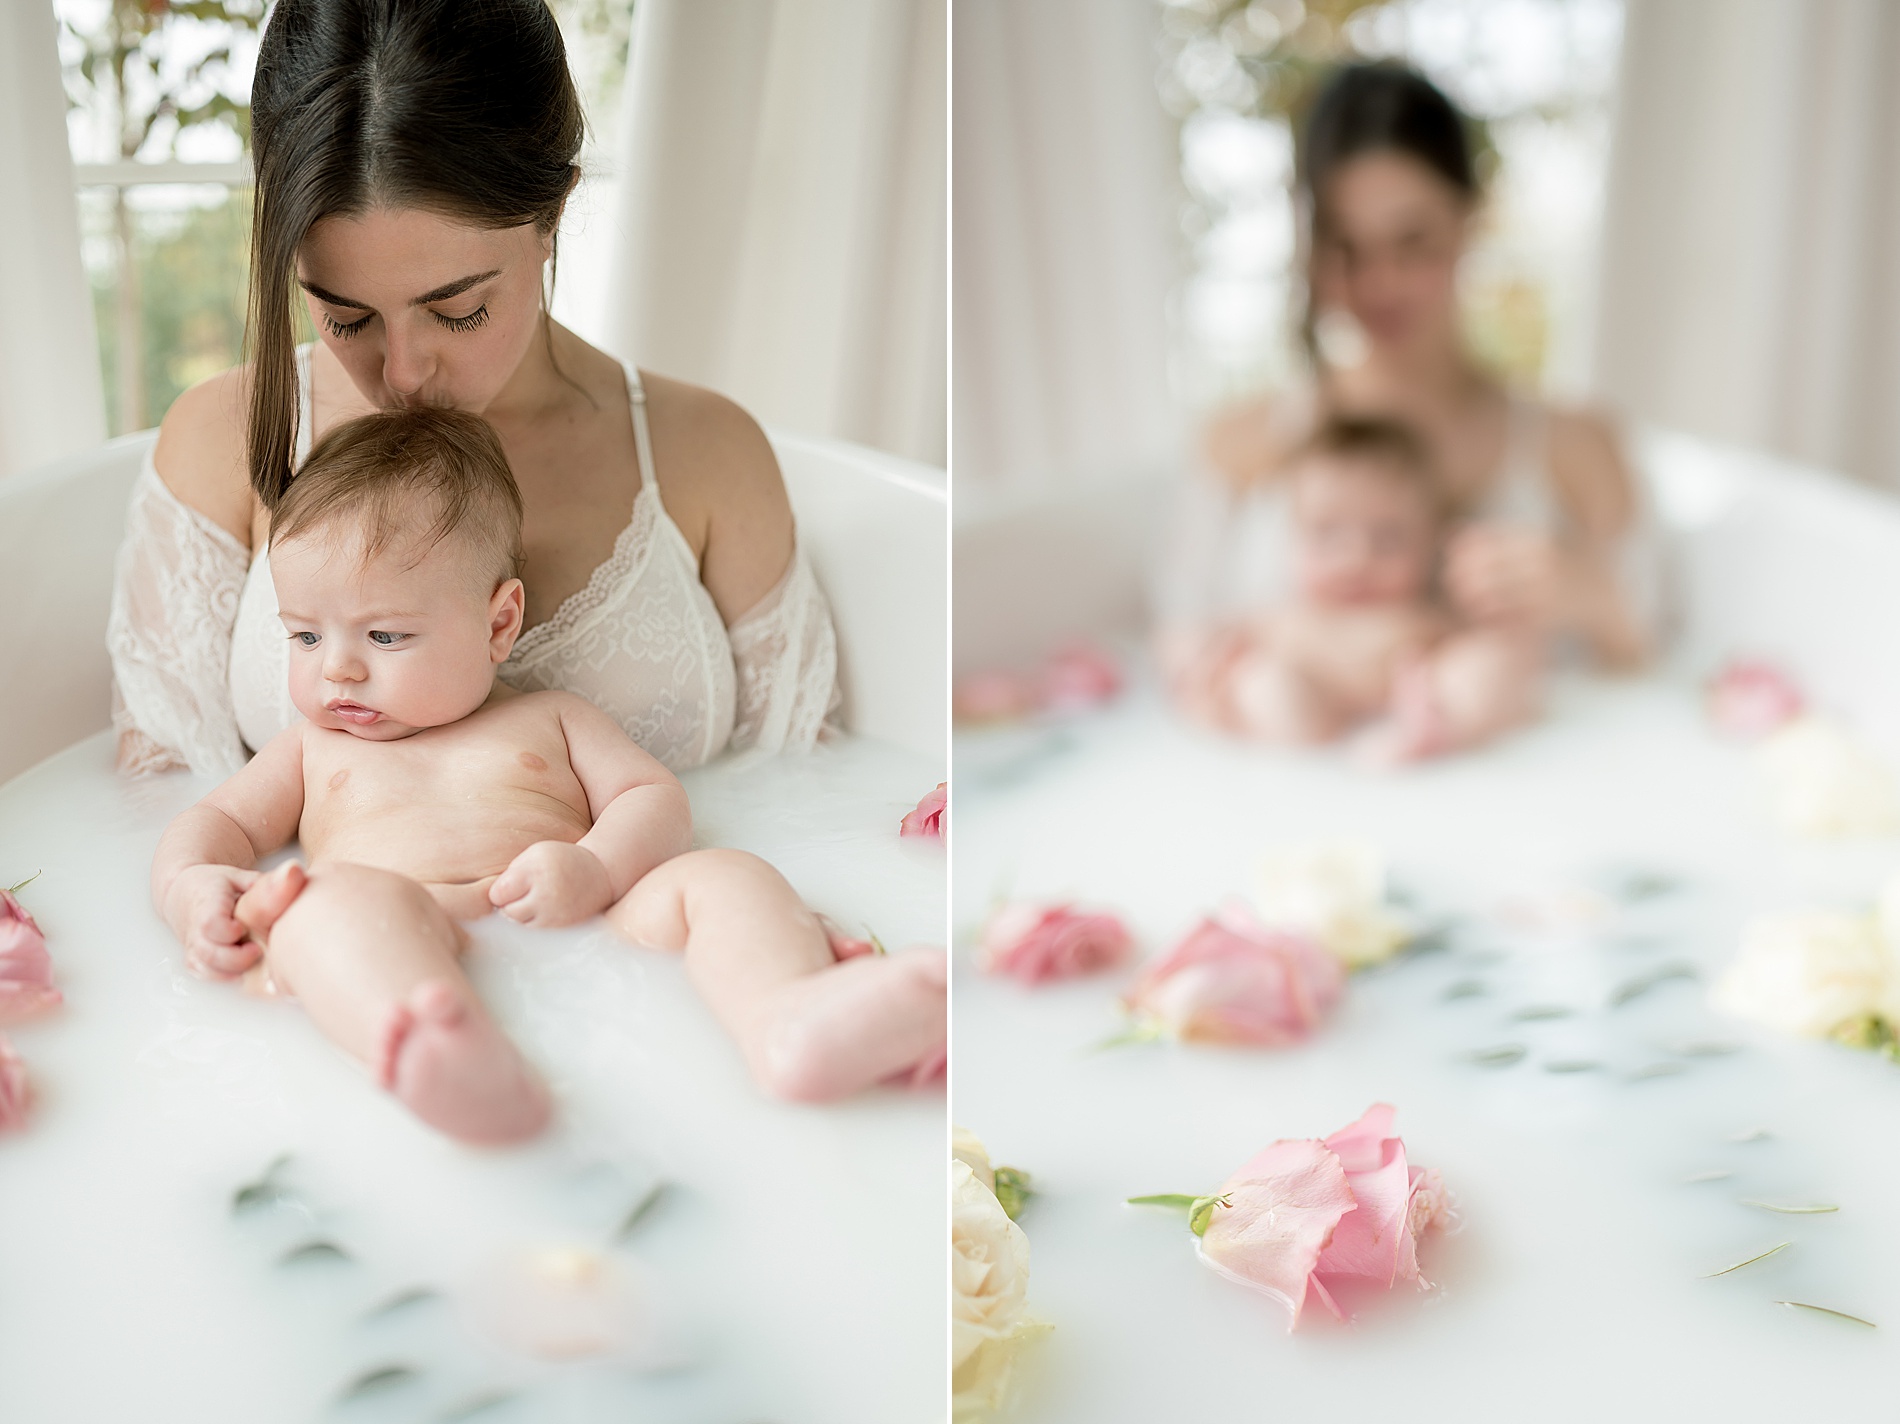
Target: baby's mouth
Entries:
(354, 713)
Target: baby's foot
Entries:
(457, 1071)
(1415, 728)
(859, 1022)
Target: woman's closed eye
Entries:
(346, 329)
(463, 323)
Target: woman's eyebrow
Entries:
(439, 294)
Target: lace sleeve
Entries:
(785, 655)
(174, 600)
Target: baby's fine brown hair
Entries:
(377, 470)
(1388, 445)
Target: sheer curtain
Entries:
(1752, 229)
(51, 399)
(779, 211)
(1065, 234)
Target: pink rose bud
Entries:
(1304, 1217)
(1231, 980)
(15, 1094)
(1036, 943)
(993, 696)
(26, 969)
(1750, 699)
(927, 819)
(1079, 676)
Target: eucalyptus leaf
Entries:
(1464, 989)
(1771, 1251)
(401, 1300)
(1641, 984)
(1535, 1013)
(1572, 1065)
(376, 1380)
(477, 1404)
(16, 889)
(1790, 1209)
(313, 1251)
(1719, 1174)
(1655, 1070)
(1827, 1310)
(1499, 1056)
(640, 1210)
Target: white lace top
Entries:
(201, 664)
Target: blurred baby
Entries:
(1364, 643)
(425, 792)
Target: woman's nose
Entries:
(407, 363)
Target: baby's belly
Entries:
(445, 846)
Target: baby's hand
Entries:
(552, 883)
(201, 908)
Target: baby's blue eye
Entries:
(309, 640)
(387, 640)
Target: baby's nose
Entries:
(340, 667)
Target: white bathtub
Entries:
(795, 1262)
(1574, 1290)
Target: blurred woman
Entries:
(1548, 534)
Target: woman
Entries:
(1549, 511)
(412, 161)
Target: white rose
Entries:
(1824, 782)
(1808, 974)
(1336, 894)
(968, 1148)
(989, 1275)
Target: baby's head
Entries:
(1366, 513)
(394, 553)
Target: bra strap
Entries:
(642, 437)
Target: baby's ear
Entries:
(506, 611)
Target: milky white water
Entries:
(1573, 1290)
(791, 1270)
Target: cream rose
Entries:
(1823, 782)
(967, 1148)
(1334, 893)
(1809, 974)
(989, 1277)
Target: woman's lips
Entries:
(354, 713)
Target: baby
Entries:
(423, 792)
(1365, 639)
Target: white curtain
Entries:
(51, 399)
(1065, 233)
(779, 211)
(1751, 282)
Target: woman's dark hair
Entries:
(462, 107)
(1375, 108)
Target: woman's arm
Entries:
(1573, 583)
(176, 586)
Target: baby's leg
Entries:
(1475, 686)
(1274, 700)
(811, 1027)
(375, 961)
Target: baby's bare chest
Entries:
(466, 777)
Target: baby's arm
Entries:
(640, 817)
(205, 857)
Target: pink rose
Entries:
(1750, 699)
(1305, 1215)
(1078, 676)
(1231, 980)
(993, 696)
(26, 969)
(15, 1095)
(1035, 943)
(927, 819)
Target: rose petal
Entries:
(1374, 1238)
(927, 819)
(15, 1092)
(1229, 980)
(1285, 1205)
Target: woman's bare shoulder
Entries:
(1245, 442)
(722, 486)
(201, 453)
(1590, 470)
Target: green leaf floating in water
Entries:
(1790, 1209)
(267, 1190)
(1772, 1250)
(1655, 1070)
(1013, 1190)
(1464, 989)
(640, 1210)
(1720, 1174)
(1499, 1056)
(1572, 1065)
(1640, 985)
(477, 1404)
(1536, 1013)
(377, 1380)
(1826, 1310)
(313, 1251)
(16, 889)
(401, 1300)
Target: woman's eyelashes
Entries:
(344, 330)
